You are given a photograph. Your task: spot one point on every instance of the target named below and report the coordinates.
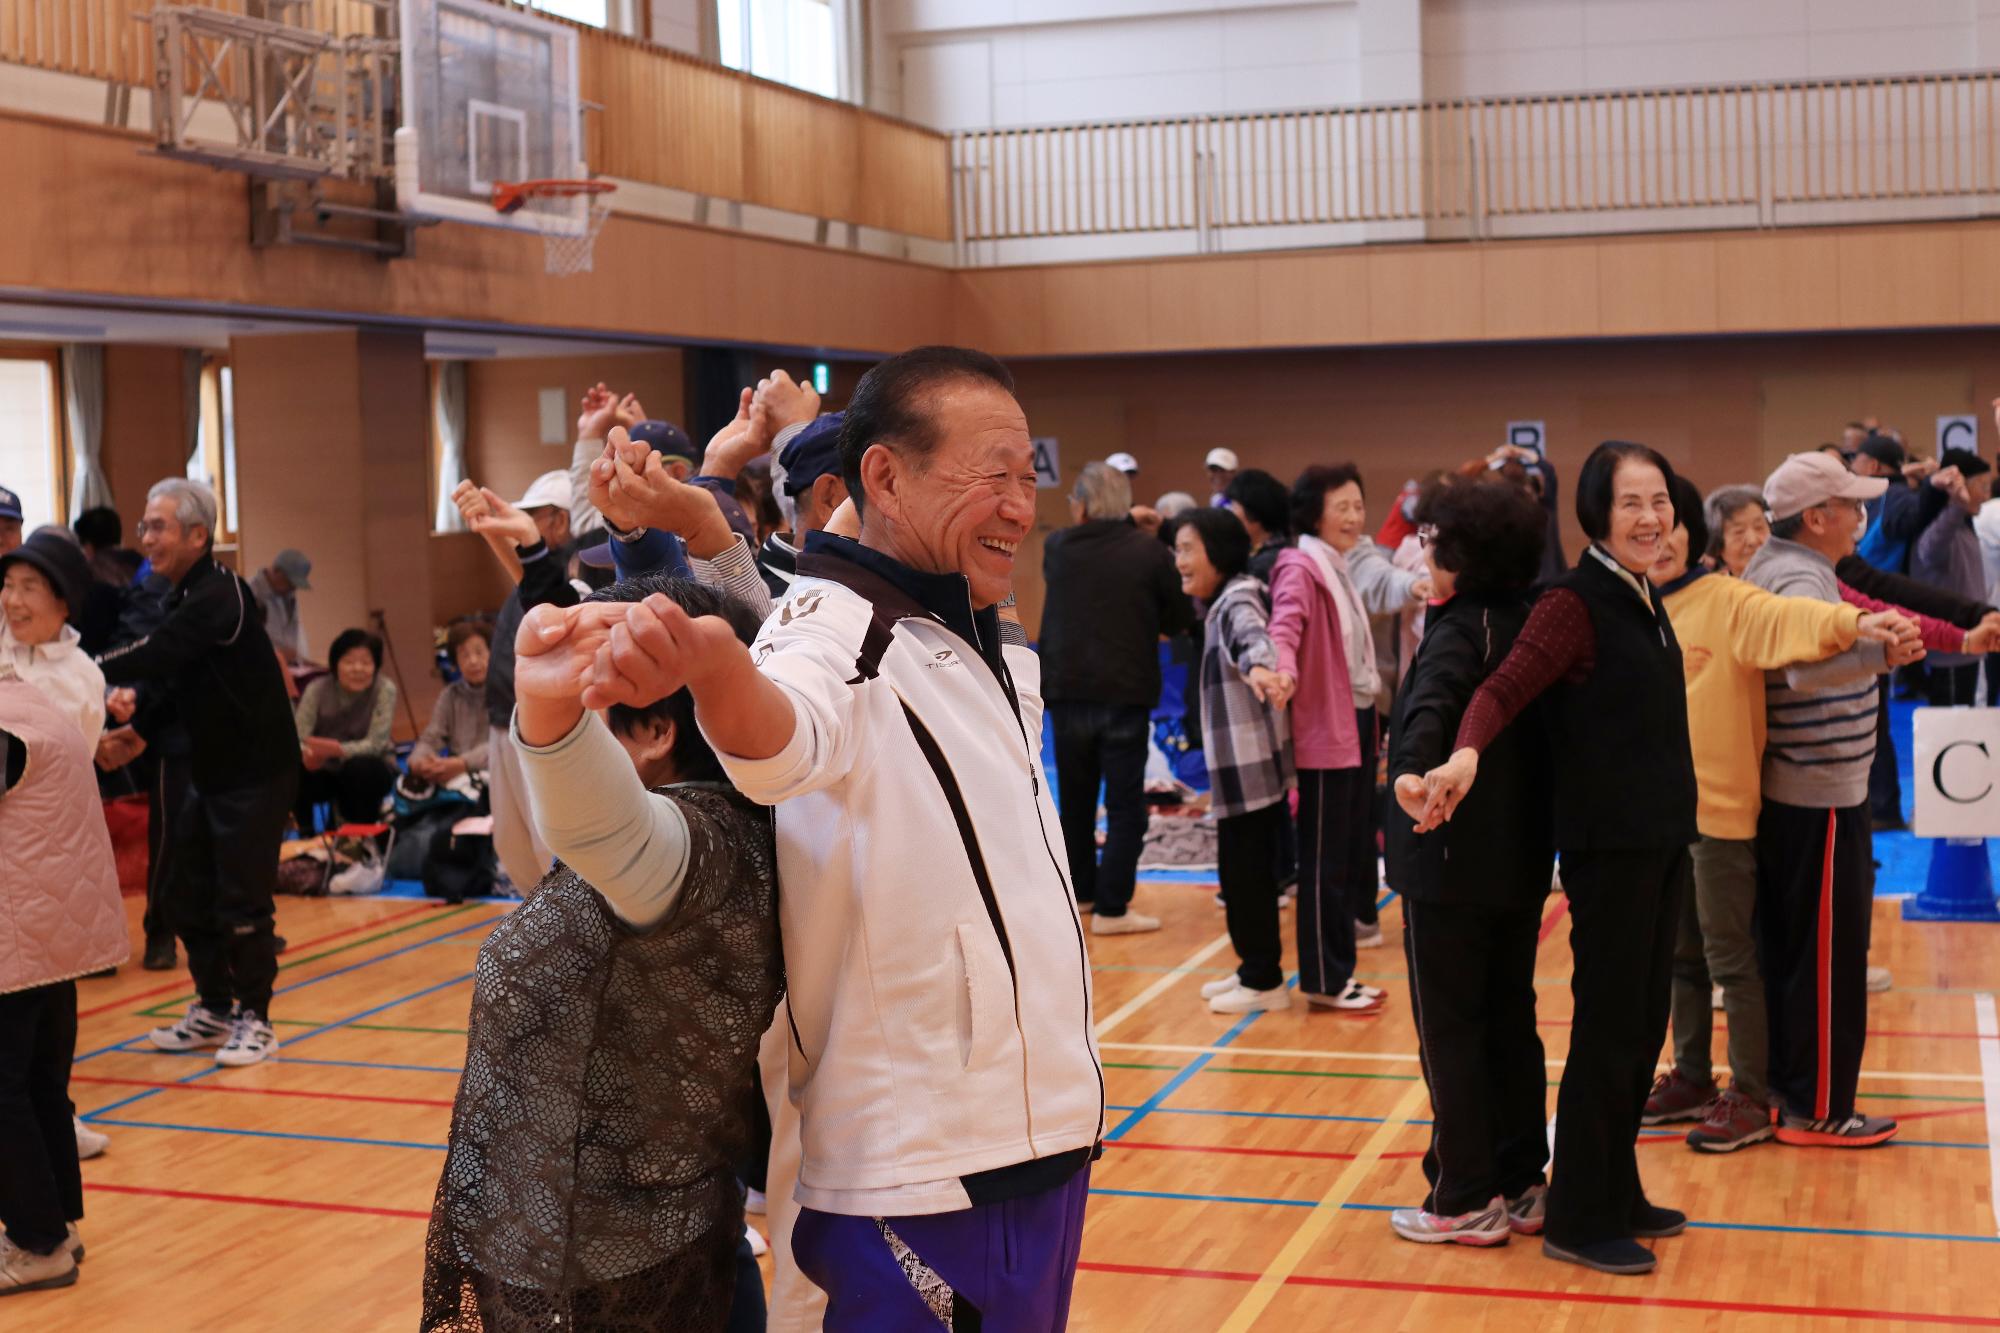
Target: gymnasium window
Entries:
(214, 458)
(31, 437)
(787, 41)
(597, 13)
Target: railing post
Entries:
(1201, 218)
(1763, 143)
(1475, 156)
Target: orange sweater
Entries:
(1731, 633)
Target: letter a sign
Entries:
(1048, 461)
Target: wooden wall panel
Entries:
(1723, 409)
(1900, 277)
(143, 439)
(1423, 294)
(1764, 286)
(1657, 285)
(504, 449)
(1309, 299)
(1548, 292)
(77, 230)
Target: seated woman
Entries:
(344, 739)
(454, 744)
(615, 1021)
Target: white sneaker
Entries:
(1487, 1226)
(1878, 980)
(89, 1143)
(24, 1270)
(1243, 1000)
(251, 1043)
(199, 1028)
(754, 1202)
(1356, 999)
(1715, 998)
(75, 1242)
(1132, 923)
(759, 1247)
(1220, 986)
(1367, 936)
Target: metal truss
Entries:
(299, 103)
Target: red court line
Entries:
(1559, 1297)
(182, 983)
(1549, 922)
(258, 1200)
(1253, 1152)
(262, 1092)
(1872, 1032)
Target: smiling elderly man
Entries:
(941, 1050)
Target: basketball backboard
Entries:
(489, 95)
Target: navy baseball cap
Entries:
(813, 453)
(10, 505)
(669, 440)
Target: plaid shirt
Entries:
(1248, 744)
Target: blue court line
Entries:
(1705, 1226)
(1165, 875)
(1200, 1062)
(291, 1060)
(271, 1134)
(313, 981)
(1376, 1120)
(95, 1115)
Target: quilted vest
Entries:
(60, 913)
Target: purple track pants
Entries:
(998, 1268)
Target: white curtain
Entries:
(197, 466)
(449, 409)
(83, 400)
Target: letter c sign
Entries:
(1957, 772)
(1937, 773)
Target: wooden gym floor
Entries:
(1248, 1166)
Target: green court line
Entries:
(1306, 1073)
(1128, 1064)
(447, 914)
(1161, 967)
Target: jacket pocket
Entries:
(985, 999)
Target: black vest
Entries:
(1624, 773)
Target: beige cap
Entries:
(1805, 480)
(1222, 458)
(551, 488)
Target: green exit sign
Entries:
(822, 376)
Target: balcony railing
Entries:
(1761, 154)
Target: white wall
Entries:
(1484, 47)
(678, 23)
(962, 64)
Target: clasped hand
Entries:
(599, 654)
(632, 488)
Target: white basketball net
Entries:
(567, 253)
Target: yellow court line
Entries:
(1288, 1259)
(1154, 991)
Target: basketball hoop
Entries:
(568, 242)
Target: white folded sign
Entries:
(1957, 771)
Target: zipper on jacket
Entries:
(955, 798)
(1062, 878)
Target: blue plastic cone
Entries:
(1959, 886)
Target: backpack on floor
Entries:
(461, 863)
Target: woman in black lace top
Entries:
(614, 1030)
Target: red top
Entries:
(1557, 643)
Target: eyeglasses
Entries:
(156, 526)
(1427, 535)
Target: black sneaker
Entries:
(160, 955)
(1650, 1222)
(1627, 1258)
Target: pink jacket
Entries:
(1305, 624)
(60, 913)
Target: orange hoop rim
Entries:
(509, 196)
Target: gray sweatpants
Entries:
(1717, 947)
